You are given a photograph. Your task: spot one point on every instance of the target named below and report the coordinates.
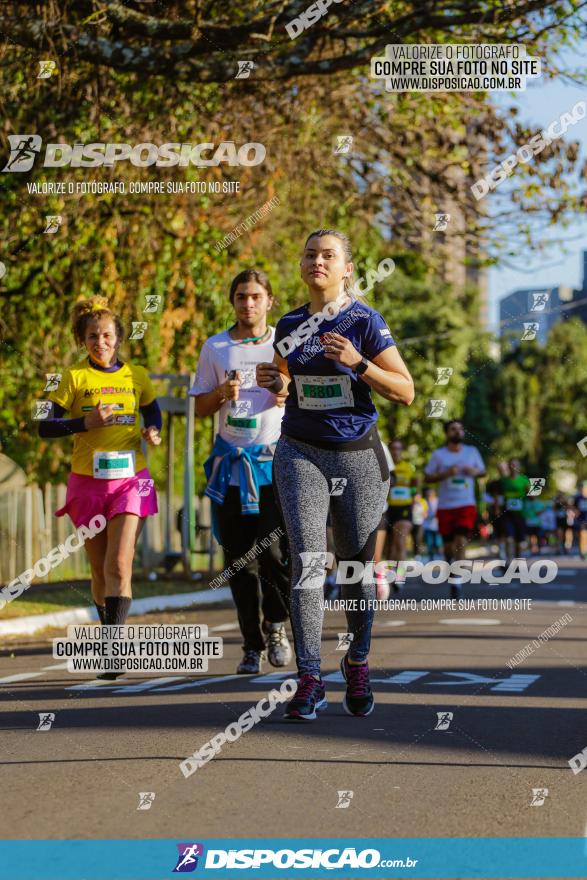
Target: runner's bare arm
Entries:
(387, 373)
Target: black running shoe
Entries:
(251, 663)
(309, 697)
(358, 699)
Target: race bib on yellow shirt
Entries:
(114, 465)
(324, 392)
(400, 493)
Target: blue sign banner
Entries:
(538, 857)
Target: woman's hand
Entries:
(100, 417)
(269, 377)
(151, 436)
(339, 348)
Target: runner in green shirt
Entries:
(514, 490)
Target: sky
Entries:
(540, 104)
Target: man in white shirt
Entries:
(455, 466)
(246, 519)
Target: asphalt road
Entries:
(513, 730)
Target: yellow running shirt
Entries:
(400, 495)
(80, 390)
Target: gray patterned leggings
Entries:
(304, 475)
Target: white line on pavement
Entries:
(145, 685)
(474, 621)
(199, 682)
(21, 676)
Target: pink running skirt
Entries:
(86, 497)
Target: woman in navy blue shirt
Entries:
(331, 354)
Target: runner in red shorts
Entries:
(455, 466)
(105, 399)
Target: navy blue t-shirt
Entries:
(327, 401)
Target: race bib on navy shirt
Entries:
(332, 411)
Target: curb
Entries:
(36, 622)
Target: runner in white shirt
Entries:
(239, 470)
(456, 467)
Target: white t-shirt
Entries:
(254, 418)
(457, 491)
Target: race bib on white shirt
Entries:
(239, 422)
(114, 465)
(324, 392)
(458, 483)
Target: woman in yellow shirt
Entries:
(105, 398)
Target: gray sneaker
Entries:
(278, 647)
(251, 663)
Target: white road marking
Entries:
(392, 623)
(199, 682)
(56, 666)
(404, 677)
(145, 685)
(514, 683)
(553, 586)
(223, 627)
(473, 621)
(274, 676)
(94, 683)
(21, 676)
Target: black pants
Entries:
(266, 567)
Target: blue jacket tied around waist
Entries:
(255, 470)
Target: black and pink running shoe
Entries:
(309, 697)
(358, 699)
